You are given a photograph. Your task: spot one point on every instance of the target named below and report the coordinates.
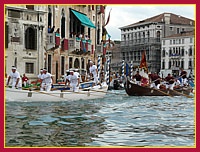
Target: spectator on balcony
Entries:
(80, 36)
(86, 37)
(52, 29)
(49, 29)
(58, 30)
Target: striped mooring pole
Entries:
(131, 69)
(108, 71)
(122, 68)
(99, 66)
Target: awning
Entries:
(85, 21)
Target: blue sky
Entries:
(122, 15)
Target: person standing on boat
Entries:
(47, 80)
(155, 79)
(170, 81)
(66, 77)
(73, 81)
(137, 78)
(78, 74)
(15, 76)
(94, 72)
(183, 76)
(39, 80)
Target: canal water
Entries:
(116, 120)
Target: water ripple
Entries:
(112, 121)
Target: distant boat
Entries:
(137, 90)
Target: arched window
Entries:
(63, 23)
(158, 36)
(49, 17)
(30, 39)
(76, 63)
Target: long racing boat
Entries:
(55, 95)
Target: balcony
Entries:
(175, 56)
(50, 40)
(141, 41)
(79, 46)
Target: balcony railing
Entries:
(140, 41)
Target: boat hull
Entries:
(56, 95)
(136, 90)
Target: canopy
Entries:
(85, 21)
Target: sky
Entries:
(122, 15)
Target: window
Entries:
(182, 64)
(6, 35)
(49, 17)
(63, 24)
(29, 67)
(62, 65)
(163, 42)
(14, 13)
(163, 52)
(171, 28)
(178, 30)
(30, 39)
(169, 67)
(190, 64)
(70, 62)
(190, 51)
(191, 40)
(170, 41)
(49, 63)
(30, 7)
(182, 51)
(163, 64)
(183, 41)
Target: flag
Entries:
(108, 19)
(65, 44)
(57, 39)
(143, 63)
(127, 69)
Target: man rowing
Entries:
(183, 77)
(169, 82)
(155, 81)
(15, 76)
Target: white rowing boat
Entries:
(56, 95)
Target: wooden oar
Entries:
(163, 92)
(182, 94)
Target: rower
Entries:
(183, 76)
(16, 79)
(155, 79)
(47, 80)
(137, 78)
(74, 81)
(170, 82)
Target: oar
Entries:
(182, 94)
(163, 92)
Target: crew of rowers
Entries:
(155, 81)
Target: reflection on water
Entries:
(112, 121)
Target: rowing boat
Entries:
(56, 95)
(133, 89)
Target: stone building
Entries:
(147, 34)
(24, 38)
(74, 39)
(178, 51)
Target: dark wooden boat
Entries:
(136, 90)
